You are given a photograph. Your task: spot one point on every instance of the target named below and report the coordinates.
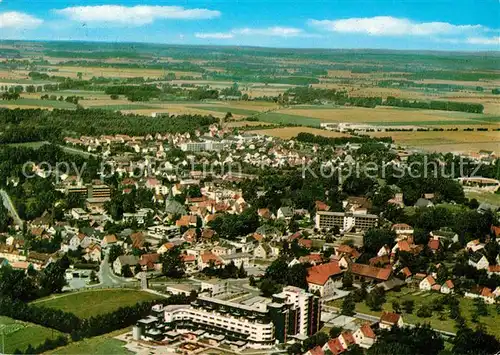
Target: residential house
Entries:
(165, 248)
(479, 261)
(93, 253)
(108, 241)
(362, 272)
(324, 278)
(448, 287)
(389, 320)
(238, 259)
(334, 346)
(263, 251)
(474, 245)
(285, 213)
(123, 260)
(150, 262)
(484, 293)
(427, 283)
(364, 336)
(205, 259)
(346, 339)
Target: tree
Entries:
(268, 287)
(335, 332)
(424, 311)
(408, 306)
(297, 276)
(52, 279)
(251, 281)
(478, 342)
(114, 252)
(418, 340)
(295, 349)
(375, 299)
(348, 306)
(126, 271)
(347, 279)
(172, 265)
(374, 239)
(241, 272)
(396, 307)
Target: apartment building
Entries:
(346, 221)
(259, 324)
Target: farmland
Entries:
(290, 132)
(89, 303)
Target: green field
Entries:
(18, 335)
(32, 145)
(125, 107)
(234, 110)
(104, 344)
(281, 118)
(430, 123)
(40, 103)
(427, 298)
(89, 303)
(488, 197)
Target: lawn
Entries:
(488, 197)
(104, 344)
(18, 335)
(421, 297)
(281, 118)
(38, 103)
(233, 110)
(89, 303)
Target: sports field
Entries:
(86, 304)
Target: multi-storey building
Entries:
(346, 221)
(291, 312)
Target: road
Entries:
(7, 202)
(76, 151)
(107, 277)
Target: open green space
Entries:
(40, 103)
(488, 197)
(18, 335)
(420, 298)
(104, 344)
(32, 145)
(90, 303)
(234, 110)
(125, 107)
(429, 123)
(281, 118)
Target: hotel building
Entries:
(346, 221)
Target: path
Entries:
(7, 202)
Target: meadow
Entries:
(104, 344)
(86, 304)
(18, 335)
(290, 132)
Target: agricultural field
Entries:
(86, 304)
(36, 103)
(456, 141)
(18, 335)
(290, 132)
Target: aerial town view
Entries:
(250, 177)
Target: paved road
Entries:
(107, 277)
(7, 202)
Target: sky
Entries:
(384, 24)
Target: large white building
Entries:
(346, 221)
(258, 324)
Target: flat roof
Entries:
(231, 304)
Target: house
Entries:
(479, 261)
(346, 250)
(389, 319)
(324, 278)
(481, 292)
(150, 262)
(285, 213)
(334, 346)
(108, 240)
(123, 260)
(265, 213)
(263, 251)
(346, 339)
(474, 245)
(494, 269)
(207, 258)
(165, 247)
(317, 350)
(423, 203)
(138, 240)
(434, 245)
(406, 273)
(447, 287)
(403, 230)
(364, 336)
(427, 283)
(93, 253)
(370, 273)
(238, 259)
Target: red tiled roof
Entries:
(367, 331)
(335, 346)
(371, 271)
(208, 256)
(494, 268)
(316, 351)
(306, 243)
(390, 318)
(436, 287)
(486, 292)
(382, 260)
(137, 240)
(430, 280)
(496, 231)
(319, 274)
(433, 244)
(450, 284)
(208, 233)
(348, 338)
(403, 245)
(321, 206)
(311, 258)
(258, 237)
(401, 226)
(346, 249)
(406, 271)
(188, 258)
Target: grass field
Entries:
(290, 132)
(88, 303)
(286, 118)
(18, 335)
(456, 141)
(34, 103)
(104, 344)
(233, 110)
(390, 116)
(427, 298)
(488, 197)
(33, 145)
